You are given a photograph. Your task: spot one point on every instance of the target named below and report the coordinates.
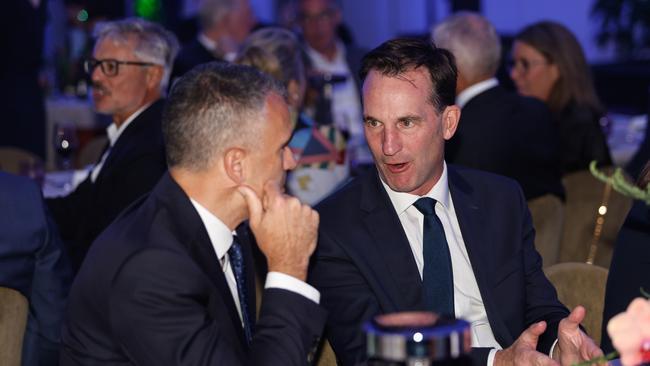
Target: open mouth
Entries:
(397, 168)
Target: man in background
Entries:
(167, 283)
(224, 24)
(129, 71)
(499, 131)
(337, 65)
(34, 263)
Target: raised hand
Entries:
(523, 351)
(573, 345)
(284, 228)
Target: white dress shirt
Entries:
(113, 133)
(221, 238)
(468, 303)
(466, 95)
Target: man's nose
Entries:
(391, 142)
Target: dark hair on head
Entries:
(560, 47)
(401, 55)
(211, 108)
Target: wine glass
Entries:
(66, 143)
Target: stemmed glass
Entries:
(66, 143)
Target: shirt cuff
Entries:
(550, 353)
(289, 283)
(490, 359)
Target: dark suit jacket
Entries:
(152, 292)
(630, 268)
(132, 168)
(364, 265)
(190, 55)
(32, 262)
(504, 133)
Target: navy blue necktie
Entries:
(437, 277)
(238, 269)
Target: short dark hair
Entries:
(211, 108)
(400, 55)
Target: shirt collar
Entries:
(206, 42)
(315, 55)
(219, 234)
(440, 192)
(466, 95)
(113, 132)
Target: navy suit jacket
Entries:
(132, 168)
(364, 266)
(32, 261)
(152, 292)
(508, 134)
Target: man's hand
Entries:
(523, 351)
(573, 345)
(285, 229)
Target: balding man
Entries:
(129, 70)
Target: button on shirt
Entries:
(468, 303)
(221, 238)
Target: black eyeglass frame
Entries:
(91, 63)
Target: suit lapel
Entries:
(198, 244)
(390, 245)
(469, 214)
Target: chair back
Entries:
(581, 284)
(91, 151)
(548, 216)
(13, 320)
(594, 213)
(15, 160)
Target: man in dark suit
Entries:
(499, 131)
(224, 26)
(34, 263)
(129, 70)
(167, 283)
(418, 234)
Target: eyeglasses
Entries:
(110, 67)
(525, 65)
(325, 15)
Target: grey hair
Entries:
(153, 43)
(212, 12)
(213, 107)
(275, 51)
(473, 41)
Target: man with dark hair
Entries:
(167, 283)
(129, 70)
(499, 131)
(418, 234)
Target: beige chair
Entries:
(588, 235)
(548, 216)
(91, 151)
(15, 160)
(581, 284)
(13, 320)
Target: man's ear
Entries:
(450, 118)
(154, 76)
(234, 162)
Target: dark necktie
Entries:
(437, 278)
(237, 262)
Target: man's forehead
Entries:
(118, 43)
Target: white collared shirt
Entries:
(222, 238)
(466, 95)
(113, 133)
(468, 303)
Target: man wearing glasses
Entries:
(129, 71)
